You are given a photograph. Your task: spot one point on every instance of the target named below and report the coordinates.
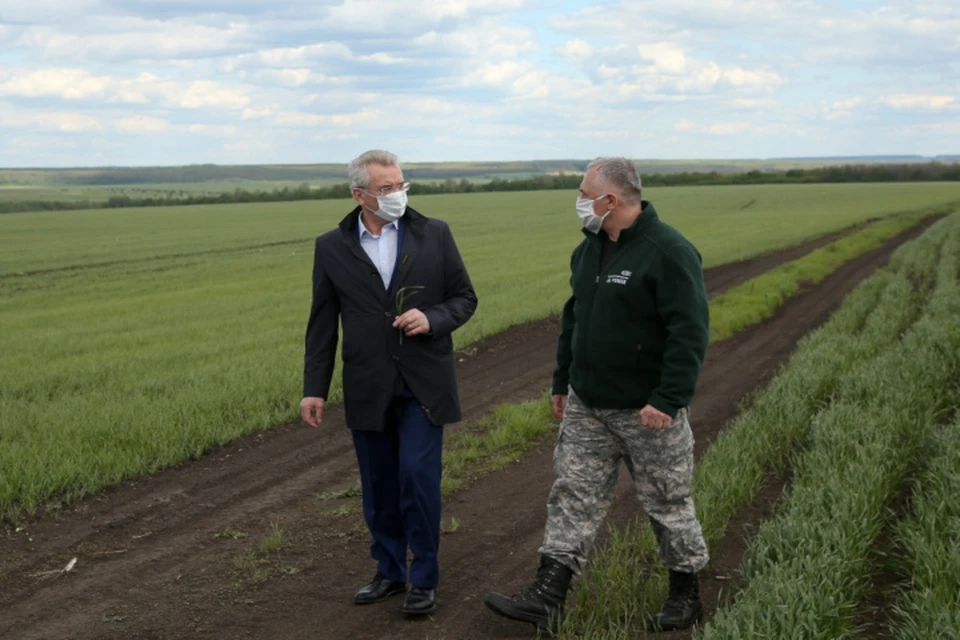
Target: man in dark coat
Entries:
(396, 281)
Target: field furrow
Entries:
(806, 573)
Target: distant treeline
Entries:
(909, 172)
(914, 172)
(327, 173)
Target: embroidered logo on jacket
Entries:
(619, 278)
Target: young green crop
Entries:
(757, 299)
(929, 543)
(136, 339)
(808, 568)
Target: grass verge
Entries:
(756, 300)
(495, 441)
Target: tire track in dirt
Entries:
(149, 565)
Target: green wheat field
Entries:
(135, 339)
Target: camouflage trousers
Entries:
(586, 463)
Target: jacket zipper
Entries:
(593, 303)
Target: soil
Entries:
(175, 554)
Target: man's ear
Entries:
(613, 200)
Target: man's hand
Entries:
(412, 323)
(654, 418)
(311, 411)
(559, 405)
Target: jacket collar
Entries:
(413, 224)
(362, 230)
(414, 220)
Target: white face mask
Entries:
(392, 206)
(591, 221)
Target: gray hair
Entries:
(357, 169)
(619, 173)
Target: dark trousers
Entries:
(400, 471)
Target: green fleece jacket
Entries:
(636, 332)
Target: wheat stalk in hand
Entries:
(401, 297)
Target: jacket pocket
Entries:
(648, 358)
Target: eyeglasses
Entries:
(385, 191)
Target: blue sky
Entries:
(164, 82)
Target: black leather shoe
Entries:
(420, 602)
(378, 590)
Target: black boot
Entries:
(541, 603)
(682, 608)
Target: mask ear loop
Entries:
(607, 195)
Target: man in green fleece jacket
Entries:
(631, 348)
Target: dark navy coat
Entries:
(377, 360)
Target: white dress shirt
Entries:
(381, 249)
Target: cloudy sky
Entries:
(161, 82)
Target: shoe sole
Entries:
(521, 617)
(386, 596)
(418, 612)
(655, 628)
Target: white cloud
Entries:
(301, 119)
(161, 80)
(251, 114)
(125, 40)
(6, 33)
(727, 128)
(431, 106)
(762, 79)
(247, 145)
(79, 84)
(715, 128)
(481, 40)
(141, 124)
(661, 81)
(846, 105)
(667, 57)
(291, 77)
(925, 102)
(63, 122)
(499, 74)
(69, 84)
(899, 32)
(336, 137)
(381, 15)
(843, 108)
(289, 56)
(575, 50)
(754, 103)
(40, 10)
(204, 93)
(223, 131)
